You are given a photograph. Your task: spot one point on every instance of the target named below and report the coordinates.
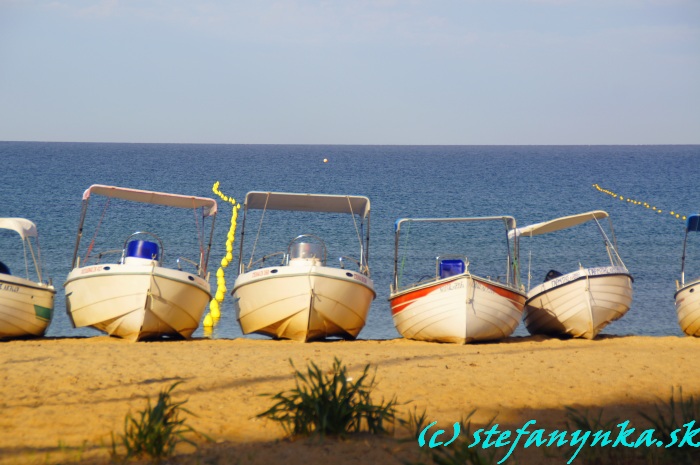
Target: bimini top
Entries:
(23, 227)
(156, 198)
(509, 220)
(558, 224)
(692, 224)
(353, 204)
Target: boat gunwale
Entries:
(149, 271)
(293, 274)
(427, 284)
(584, 276)
(27, 283)
(686, 286)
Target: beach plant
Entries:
(74, 452)
(331, 403)
(584, 420)
(67, 454)
(155, 431)
(669, 420)
(414, 422)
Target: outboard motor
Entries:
(552, 275)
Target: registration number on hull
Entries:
(452, 286)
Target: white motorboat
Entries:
(687, 295)
(26, 303)
(137, 297)
(582, 302)
(453, 304)
(304, 298)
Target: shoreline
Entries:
(64, 397)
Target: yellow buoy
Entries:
(325, 160)
(212, 318)
(673, 213)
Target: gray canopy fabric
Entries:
(23, 227)
(358, 205)
(560, 223)
(157, 198)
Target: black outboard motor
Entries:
(551, 275)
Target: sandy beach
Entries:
(61, 399)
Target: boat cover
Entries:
(558, 224)
(156, 198)
(358, 205)
(23, 227)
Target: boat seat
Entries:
(141, 251)
(4, 269)
(451, 267)
(551, 275)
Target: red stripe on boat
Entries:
(516, 297)
(399, 303)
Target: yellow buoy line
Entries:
(214, 314)
(637, 202)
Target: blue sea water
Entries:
(44, 182)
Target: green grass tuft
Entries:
(671, 417)
(155, 431)
(331, 404)
(596, 455)
(415, 422)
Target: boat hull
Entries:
(303, 303)
(688, 308)
(26, 307)
(136, 302)
(579, 304)
(459, 309)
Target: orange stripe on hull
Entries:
(399, 303)
(517, 298)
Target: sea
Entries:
(647, 190)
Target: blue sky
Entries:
(351, 71)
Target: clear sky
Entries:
(351, 71)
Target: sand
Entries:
(61, 399)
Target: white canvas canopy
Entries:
(23, 227)
(156, 198)
(308, 202)
(558, 224)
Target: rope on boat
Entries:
(365, 266)
(212, 318)
(257, 236)
(637, 202)
(99, 223)
(403, 257)
(198, 229)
